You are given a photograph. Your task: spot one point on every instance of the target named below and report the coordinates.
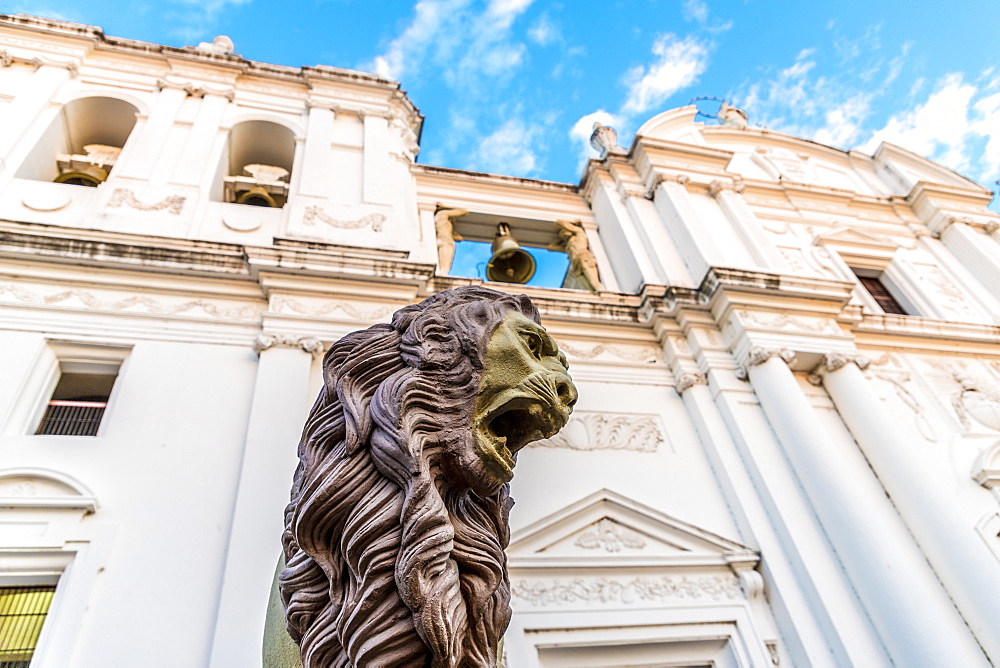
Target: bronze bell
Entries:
(510, 263)
(90, 176)
(257, 196)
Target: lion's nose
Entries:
(567, 392)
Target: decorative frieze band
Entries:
(310, 344)
(636, 591)
(593, 430)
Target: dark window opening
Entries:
(881, 295)
(22, 614)
(77, 404)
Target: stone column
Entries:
(957, 553)
(279, 409)
(902, 596)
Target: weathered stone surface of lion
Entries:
(395, 534)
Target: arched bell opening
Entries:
(257, 164)
(82, 143)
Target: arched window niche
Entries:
(82, 143)
(256, 165)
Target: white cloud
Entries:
(507, 10)
(843, 123)
(950, 126)
(583, 128)
(467, 43)
(512, 149)
(679, 63)
(695, 10)
(197, 20)
(430, 17)
(544, 32)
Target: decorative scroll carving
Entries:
(6, 58)
(565, 592)
(789, 322)
(173, 204)
(310, 344)
(716, 187)
(682, 179)
(285, 304)
(609, 431)
(610, 536)
(629, 353)
(758, 355)
(752, 584)
(417, 554)
(976, 399)
(372, 220)
(688, 380)
(836, 360)
(141, 303)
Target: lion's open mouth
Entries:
(519, 422)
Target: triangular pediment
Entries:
(608, 528)
(850, 236)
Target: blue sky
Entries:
(513, 86)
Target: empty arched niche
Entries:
(82, 144)
(257, 164)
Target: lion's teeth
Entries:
(535, 409)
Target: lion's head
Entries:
(394, 538)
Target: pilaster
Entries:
(279, 407)
(317, 162)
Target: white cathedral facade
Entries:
(786, 450)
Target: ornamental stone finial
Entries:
(604, 139)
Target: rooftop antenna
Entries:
(725, 114)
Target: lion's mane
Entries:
(392, 558)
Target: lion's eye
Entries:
(534, 343)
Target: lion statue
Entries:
(394, 538)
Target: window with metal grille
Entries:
(22, 614)
(78, 402)
(881, 295)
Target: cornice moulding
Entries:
(910, 330)
(193, 257)
(452, 174)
